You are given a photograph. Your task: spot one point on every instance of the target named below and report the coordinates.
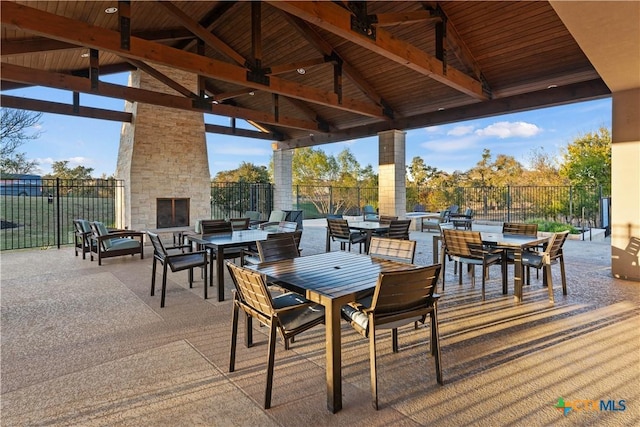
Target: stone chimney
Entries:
(163, 157)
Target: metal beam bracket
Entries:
(361, 23)
(201, 104)
(258, 76)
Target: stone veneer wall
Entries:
(392, 190)
(163, 153)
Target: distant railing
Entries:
(46, 219)
(30, 221)
(233, 199)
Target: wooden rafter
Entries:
(81, 84)
(207, 22)
(329, 51)
(31, 20)
(336, 20)
(163, 78)
(226, 130)
(204, 34)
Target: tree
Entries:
(543, 169)
(14, 133)
(246, 172)
(587, 160)
(61, 169)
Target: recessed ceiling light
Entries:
(84, 55)
(441, 109)
(252, 93)
(552, 86)
(111, 10)
(301, 71)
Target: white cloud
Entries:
(460, 130)
(451, 144)
(504, 130)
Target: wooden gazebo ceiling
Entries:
(368, 66)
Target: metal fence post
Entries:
(58, 214)
(508, 203)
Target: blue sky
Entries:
(94, 143)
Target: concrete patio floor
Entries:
(83, 344)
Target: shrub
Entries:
(553, 227)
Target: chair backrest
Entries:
(399, 229)
(419, 208)
(404, 294)
(159, 250)
(444, 216)
(468, 212)
(99, 229)
(463, 243)
(82, 226)
(520, 228)
(239, 223)
(386, 219)
(252, 290)
(252, 215)
(453, 209)
(554, 247)
(212, 226)
(297, 236)
(277, 216)
(283, 247)
(393, 249)
(338, 228)
(368, 209)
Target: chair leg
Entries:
(435, 346)
(164, 283)
(153, 276)
(394, 338)
(562, 274)
(484, 278)
(547, 273)
(234, 337)
(372, 363)
(248, 333)
(270, 363)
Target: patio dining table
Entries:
(367, 227)
(331, 279)
(515, 242)
(218, 243)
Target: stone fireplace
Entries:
(163, 157)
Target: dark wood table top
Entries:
(330, 274)
(236, 238)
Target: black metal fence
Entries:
(45, 217)
(232, 199)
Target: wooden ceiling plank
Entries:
(20, 74)
(31, 20)
(209, 38)
(65, 109)
(336, 20)
(384, 19)
(324, 47)
(283, 68)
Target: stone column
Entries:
(162, 154)
(392, 190)
(283, 179)
(625, 185)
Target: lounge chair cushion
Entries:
(121, 243)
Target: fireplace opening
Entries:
(172, 212)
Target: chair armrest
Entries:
(187, 254)
(262, 225)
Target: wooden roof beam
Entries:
(336, 20)
(163, 78)
(324, 47)
(20, 74)
(384, 19)
(202, 33)
(35, 21)
(65, 109)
